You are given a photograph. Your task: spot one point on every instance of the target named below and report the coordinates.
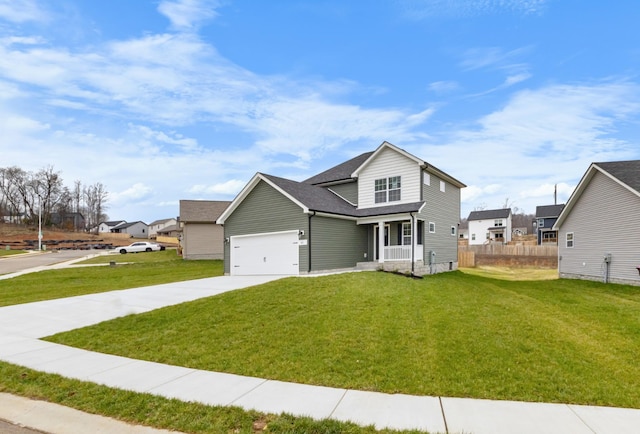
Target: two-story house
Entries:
(382, 209)
(598, 228)
(490, 226)
(160, 225)
(546, 217)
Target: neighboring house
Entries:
(136, 229)
(68, 220)
(202, 238)
(169, 231)
(546, 217)
(158, 225)
(383, 209)
(490, 226)
(110, 226)
(15, 218)
(598, 229)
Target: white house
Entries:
(490, 226)
(159, 225)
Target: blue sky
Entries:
(165, 100)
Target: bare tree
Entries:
(95, 197)
(47, 186)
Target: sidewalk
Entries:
(21, 326)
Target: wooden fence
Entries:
(508, 255)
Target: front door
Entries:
(375, 240)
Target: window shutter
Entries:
(399, 234)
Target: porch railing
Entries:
(397, 253)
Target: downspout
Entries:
(309, 241)
(413, 243)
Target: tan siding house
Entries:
(598, 230)
(202, 238)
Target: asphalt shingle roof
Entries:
(202, 210)
(548, 210)
(627, 172)
(489, 214)
(323, 200)
(341, 172)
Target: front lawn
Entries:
(452, 334)
(142, 269)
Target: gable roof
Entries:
(489, 214)
(624, 173)
(112, 223)
(204, 211)
(545, 211)
(341, 172)
(161, 221)
(311, 197)
(423, 164)
(128, 225)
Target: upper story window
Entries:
(540, 223)
(497, 223)
(387, 189)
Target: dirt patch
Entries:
(26, 238)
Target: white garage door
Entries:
(270, 253)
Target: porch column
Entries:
(381, 241)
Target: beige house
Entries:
(202, 238)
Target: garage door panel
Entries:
(269, 253)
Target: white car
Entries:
(140, 246)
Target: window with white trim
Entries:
(497, 222)
(442, 184)
(387, 189)
(569, 238)
(406, 234)
(432, 228)
(427, 179)
(540, 223)
(453, 231)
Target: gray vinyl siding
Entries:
(603, 220)
(265, 210)
(336, 243)
(443, 209)
(349, 191)
(202, 241)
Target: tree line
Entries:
(29, 197)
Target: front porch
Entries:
(397, 241)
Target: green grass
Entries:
(146, 409)
(4, 252)
(507, 273)
(452, 334)
(146, 269)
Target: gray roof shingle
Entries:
(548, 210)
(489, 214)
(627, 172)
(204, 211)
(341, 172)
(321, 199)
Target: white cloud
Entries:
(230, 188)
(20, 11)
(188, 14)
(134, 193)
